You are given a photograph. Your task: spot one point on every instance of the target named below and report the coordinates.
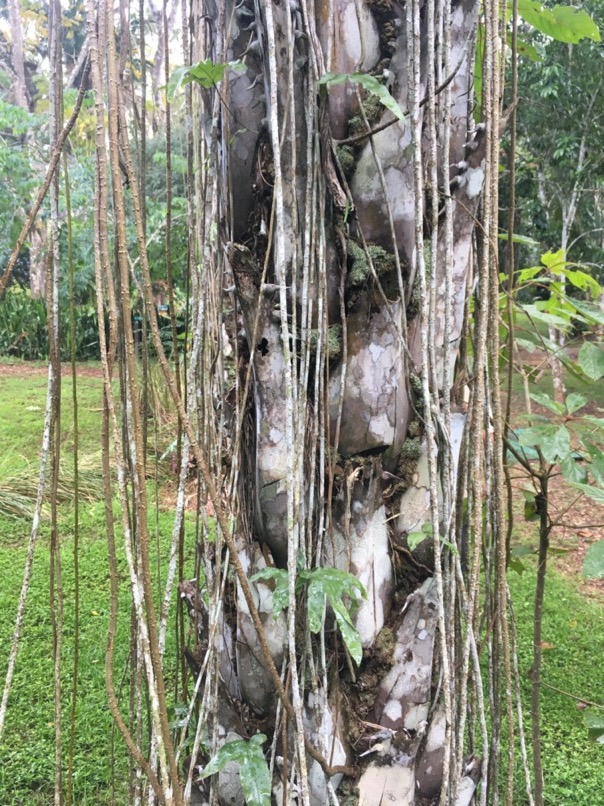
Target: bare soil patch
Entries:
(28, 370)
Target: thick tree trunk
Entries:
(320, 239)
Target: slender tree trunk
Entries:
(17, 60)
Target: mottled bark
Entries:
(348, 214)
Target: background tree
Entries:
(560, 155)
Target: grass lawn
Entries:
(573, 636)
(27, 751)
(573, 632)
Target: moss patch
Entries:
(334, 340)
(359, 269)
(347, 160)
(415, 300)
(410, 454)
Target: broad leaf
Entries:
(253, 769)
(583, 281)
(333, 584)
(523, 451)
(516, 238)
(574, 402)
(527, 345)
(281, 591)
(315, 604)
(595, 493)
(522, 551)
(564, 23)
(597, 463)
(573, 471)
(591, 360)
(530, 509)
(547, 402)
(349, 632)
(414, 539)
(556, 447)
(518, 566)
(549, 318)
(589, 310)
(554, 261)
(208, 73)
(553, 442)
(593, 564)
(528, 274)
(370, 84)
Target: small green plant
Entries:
(369, 83)
(205, 73)
(322, 585)
(253, 769)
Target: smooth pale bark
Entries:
(17, 60)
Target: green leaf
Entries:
(557, 447)
(528, 274)
(281, 591)
(527, 345)
(332, 584)
(530, 509)
(583, 281)
(594, 722)
(528, 453)
(546, 401)
(554, 261)
(563, 23)
(516, 238)
(589, 310)
(176, 81)
(518, 566)
(255, 774)
(253, 769)
(593, 564)
(597, 463)
(549, 318)
(315, 604)
(591, 361)
(414, 539)
(574, 402)
(595, 493)
(573, 471)
(349, 632)
(553, 442)
(207, 73)
(525, 48)
(370, 84)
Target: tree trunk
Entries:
(17, 61)
(349, 265)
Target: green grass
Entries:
(27, 754)
(574, 625)
(22, 402)
(27, 751)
